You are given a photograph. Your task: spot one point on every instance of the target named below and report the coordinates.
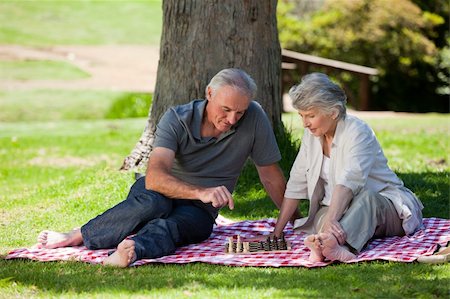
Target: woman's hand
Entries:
(334, 227)
(340, 200)
(288, 208)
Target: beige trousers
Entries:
(369, 215)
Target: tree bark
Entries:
(202, 37)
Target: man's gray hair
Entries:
(316, 90)
(235, 78)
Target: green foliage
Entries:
(393, 36)
(130, 105)
(439, 34)
(444, 69)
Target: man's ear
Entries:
(209, 93)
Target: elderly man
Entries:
(199, 151)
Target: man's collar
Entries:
(199, 110)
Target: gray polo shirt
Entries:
(210, 161)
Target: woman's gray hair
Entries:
(235, 78)
(316, 90)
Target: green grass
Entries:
(365, 280)
(40, 70)
(54, 105)
(59, 174)
(80, 22)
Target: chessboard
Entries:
(239, 245)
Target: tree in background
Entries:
(199, 38)
(396, 37)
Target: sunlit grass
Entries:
(82, 22)
(39, 70)
(60, 174)
(46, 105)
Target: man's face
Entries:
(225, 107)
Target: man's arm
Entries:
(274, 183)
(159, 178)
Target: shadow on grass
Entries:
(433, 189)
(375, 279)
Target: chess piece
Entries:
(238, 244)
(230, 245)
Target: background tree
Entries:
(398, 38)
(199, 38)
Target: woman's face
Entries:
(319, 122)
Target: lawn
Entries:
(59, 174)
(81, 22)
(46, 105)
(39, 70)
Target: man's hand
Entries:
(217, 196)
(334, 227)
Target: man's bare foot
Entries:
(333, 251)
(123, 256)
(312, 242)
(50, 239)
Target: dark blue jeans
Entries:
(160, 224)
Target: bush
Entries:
(396, 37)
(130, 105)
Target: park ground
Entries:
(127, 68)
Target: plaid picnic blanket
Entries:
(400, 249)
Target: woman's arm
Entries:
(274, 183)
(288, 208)
(355, 156)
(340, 200)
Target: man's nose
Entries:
(232, 118)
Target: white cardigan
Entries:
(357, 162)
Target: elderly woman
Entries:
(342, 170)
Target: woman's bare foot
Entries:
(50, 239)
(123, 256)
(333, 251)
(312, 242)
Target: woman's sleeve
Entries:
(358, 154)
(297, 185)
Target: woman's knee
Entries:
(365, 197)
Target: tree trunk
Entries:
(202, 37)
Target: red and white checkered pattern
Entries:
(399, 249)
